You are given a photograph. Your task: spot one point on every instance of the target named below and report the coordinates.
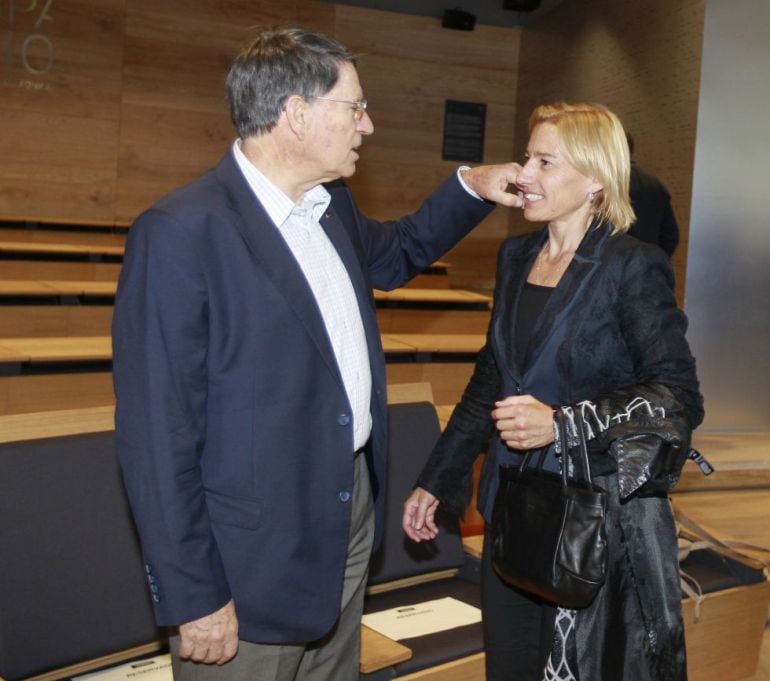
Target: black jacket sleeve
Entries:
(448, 472)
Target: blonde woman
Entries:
(584, 321)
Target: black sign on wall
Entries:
(464, 124)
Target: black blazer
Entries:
(655, 221)
(618, 325)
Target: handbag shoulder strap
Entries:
(582, 435)
(692, 531)
(579, 439)
(561, 424)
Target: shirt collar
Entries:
(277, 204)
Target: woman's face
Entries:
(553, 190)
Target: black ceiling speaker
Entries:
(521, 5)
(458, 20)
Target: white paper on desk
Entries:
(421, 619)
(152, 669)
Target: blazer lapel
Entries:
(355, 264)
(566, 293)
(271, 254)
(343, 244)
(514, 272)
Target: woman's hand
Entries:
(523, 422)
(419, 516)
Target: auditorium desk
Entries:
(61, 242)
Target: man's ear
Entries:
(297, 112)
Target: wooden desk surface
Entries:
(433, 295)
(37, 425)
(40, 241)
(43, 287)
(57, 270)
(66, 349)
(433, 342)
(392, 342)
(740, 460)
(473, 545)
(43, 241)
(84, 348)
(95, 419)
(440, 265)
(379, 652)
(47, 287)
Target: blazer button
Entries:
(344, 496)
(343, 420)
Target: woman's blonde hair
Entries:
(594, 142)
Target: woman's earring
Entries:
(591, 197)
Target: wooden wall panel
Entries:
(643, 61)
(162, 149)
(409, 67)
(134, 104)
(175, 122)
(55, 166)
(60, 107)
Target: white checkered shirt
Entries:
(329, 281)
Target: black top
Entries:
(533, 299)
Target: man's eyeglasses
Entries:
(359, 105)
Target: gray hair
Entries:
(279, 63)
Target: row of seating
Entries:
(66, 288)
(78, 554)
(62, 242)
(32, 392)
(94, 244)
(91, 318)
(68, 539)
(57, 288)
(99, 348)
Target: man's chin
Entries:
(348, 171)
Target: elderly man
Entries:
(250, 379)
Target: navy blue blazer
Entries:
(233, 427)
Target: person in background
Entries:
(249, 373)
(584, 322)
(655, 221)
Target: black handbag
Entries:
(548, 535)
